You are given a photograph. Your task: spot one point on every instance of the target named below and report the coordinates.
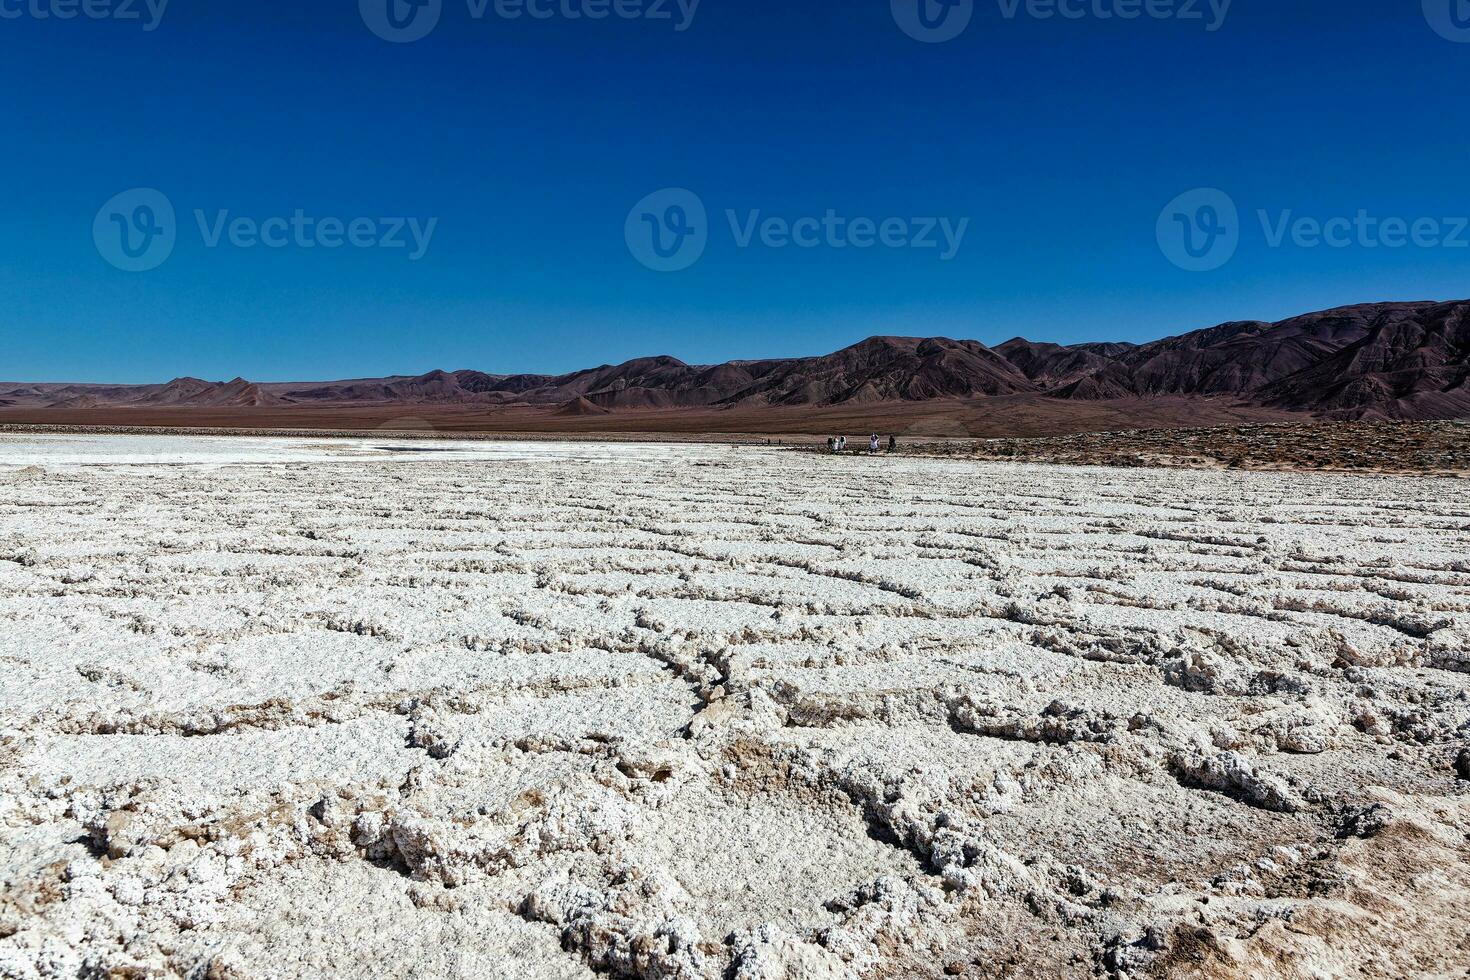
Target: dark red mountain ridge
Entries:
(1377, 360)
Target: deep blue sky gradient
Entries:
(530, 140)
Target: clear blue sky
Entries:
(529, 140)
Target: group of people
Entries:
(838, 444)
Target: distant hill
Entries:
(1380, 360)
(1377, 361)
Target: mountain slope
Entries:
(1409, 363)
(886, 369)
(1377, 360)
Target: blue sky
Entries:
(527, 141)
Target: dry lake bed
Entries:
(278, 708)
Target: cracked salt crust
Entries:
(310, 708)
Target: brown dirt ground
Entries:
(1430, 448)
(982, 418)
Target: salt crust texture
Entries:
(279, 708)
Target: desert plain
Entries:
(306, 708)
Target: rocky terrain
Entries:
(291, 708)
(1428, 448)
(1381, 360)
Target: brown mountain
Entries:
(1380, 360)
(884, 369)
(581, 406)
(193, 392)
(1412, 363)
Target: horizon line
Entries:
(732, 360)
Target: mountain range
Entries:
(1378, 360)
